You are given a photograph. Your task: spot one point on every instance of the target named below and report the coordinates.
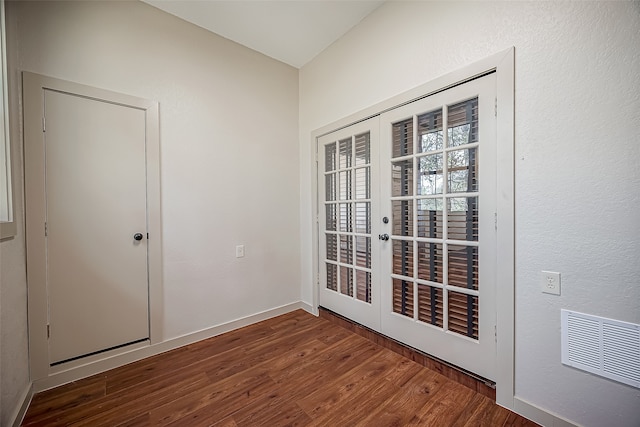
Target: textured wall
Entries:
(577, 151)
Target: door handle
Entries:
(383, 237)
(137, 236)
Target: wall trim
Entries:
(540, 416)
(23, 404)
(79, 372)
(309, 308)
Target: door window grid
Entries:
(348, 216)
(437, 259)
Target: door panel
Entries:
(95, 203)
(348, 221)
(438, 184)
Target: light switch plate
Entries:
(550, 282)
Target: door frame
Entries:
(33, 87)
(503, 64)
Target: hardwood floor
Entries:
(295, 369)
(474, 382)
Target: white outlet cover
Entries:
(239, 251)
(550, 282)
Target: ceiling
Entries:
(291, 31)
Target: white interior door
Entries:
(348, 221)
(438, 180)
(95, 204)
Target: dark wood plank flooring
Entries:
(295, 369)
(459, 375)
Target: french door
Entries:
(349, 216)
(407, 224)
(438, 268)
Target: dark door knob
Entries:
(383, 237)
(137, 236)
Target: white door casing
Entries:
(50, 196)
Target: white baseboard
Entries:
(540, 416)
(95, 367)
(308, 308)
(23, 404)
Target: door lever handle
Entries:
(383, 237)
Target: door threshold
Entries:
(468, 379)
(73, 359)
(86, 360)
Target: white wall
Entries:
(14, 352)
(577, 152)
(229, 130)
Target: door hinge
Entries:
(46, 230)
(495, 220)
(495, 332)
(48, 331)
(496, 107)
(44, 125)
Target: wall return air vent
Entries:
(602, 346)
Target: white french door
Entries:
(348, 218)
(407, 231)
(438, 269)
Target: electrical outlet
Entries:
(239, 251)
(550, 282)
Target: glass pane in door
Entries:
(348, 216)
(462, 243)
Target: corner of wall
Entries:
(541, 416)
(21, 408)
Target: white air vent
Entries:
(602, 346)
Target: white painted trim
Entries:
(505, 239)
(33, 104)
(315, 228)
(8, 228)
(23, 404)
(154, 224)
(540, 416)
(309, 308)
(115, 361)
(504, 65)
(35, 214)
